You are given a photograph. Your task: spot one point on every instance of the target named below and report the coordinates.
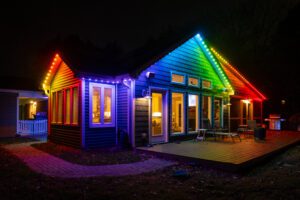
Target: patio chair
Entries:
(218, 131)
(247, 128)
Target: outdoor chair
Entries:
(207, 129)
(247, 129)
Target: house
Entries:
(21, 108)
(154, 95)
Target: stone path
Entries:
(49, 165)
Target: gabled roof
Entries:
(241, 85)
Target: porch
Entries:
(225, 154)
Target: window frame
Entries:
(180, 74)
(183, 113)
(195, 77)
(71, 88)
(113, 102)
(198, 114)
(211, 84)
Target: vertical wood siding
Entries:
(123, 107)
(97, 137)
(8, 116)
(65, 134)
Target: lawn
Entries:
(277, 179)
(91, 157)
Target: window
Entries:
(68, 107)
(193, 111)
(75, 106)
(102, 105)
(206, 84)
(177, 113)
(178, 78)
(193, 82)
(96, 104)
(53, 103)
(218, 112)
(60, 106)
(64, 106)
(206, 112)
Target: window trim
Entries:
(180, 74)
(211, 84)
(195, 77)
(71, 88)
(102, 124)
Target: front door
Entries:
(158, 117)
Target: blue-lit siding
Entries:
(122, 107)
(188, 59)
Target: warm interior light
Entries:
(246, 101)
(156, 114)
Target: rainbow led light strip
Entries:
(215, 64)
(237, 72)
(56, 61)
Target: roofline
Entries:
(234, 70)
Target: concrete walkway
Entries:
(49, 165)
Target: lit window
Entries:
(206, 84)
(206, 112)
(64, 106)
(60, 106)
(193, 82)
(68, 106)
(102, 105)
(107, 105)
(177, 113)
(178, 78)
(53, 97)
(193, 111)
(96, 104)
(75, 106)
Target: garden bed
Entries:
(92, 157)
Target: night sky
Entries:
(261, 38)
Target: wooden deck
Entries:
(226, 154)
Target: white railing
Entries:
(32, 127)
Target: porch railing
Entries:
(32, 127)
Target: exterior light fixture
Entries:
(146, 93)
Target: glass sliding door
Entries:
(193, 113)
(206, 112)
(177, 113)
(218, 113)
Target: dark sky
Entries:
(257, 36)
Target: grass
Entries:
(277, 179)
(91, 157)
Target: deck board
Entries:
(227, 152)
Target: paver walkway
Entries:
(47, 164)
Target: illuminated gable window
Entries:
(194, 82)
(102, 105)
(206, 84)
(177, 78)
